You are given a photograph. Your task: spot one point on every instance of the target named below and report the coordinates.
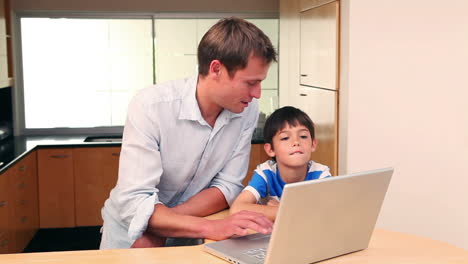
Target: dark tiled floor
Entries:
(65, 239)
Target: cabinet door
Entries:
(4, 214)
(23, 201)
(56, 192)
(96, 172)
(319, 38)
(3, 47)
(322, 107)
(257, 156)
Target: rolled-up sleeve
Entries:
(229, 179)
(140, 169)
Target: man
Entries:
(186, 146)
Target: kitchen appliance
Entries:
(5, 130)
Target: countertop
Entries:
(14, 148)
(386, 247)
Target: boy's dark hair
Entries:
(232, 41)
(286, 115)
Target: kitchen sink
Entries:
(116, 138)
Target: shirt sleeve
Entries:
(257, 186)
(229, 179)
(140, 169)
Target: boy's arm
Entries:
(247, 201)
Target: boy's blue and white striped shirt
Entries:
(267, 181)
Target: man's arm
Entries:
(185, 221)
(167, 223)
(204, 203)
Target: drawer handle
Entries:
(23, 202)
(24, 219)
(21, 185)
(59, 156)
(22, 168)
(303, 94)
(303, 75)
(116, 154)
(3, 203)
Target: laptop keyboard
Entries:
(258, 253)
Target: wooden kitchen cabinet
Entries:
(19, 216)
(96, 171)
(56, 188)
(257, 156)
(4, 213)
(24, 201)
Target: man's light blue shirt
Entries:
(170, 153)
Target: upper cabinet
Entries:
(4, 82)
(319, 38)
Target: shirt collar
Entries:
(190, 110)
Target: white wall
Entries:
(404, 103)
(149, 5)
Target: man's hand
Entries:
(238, 224)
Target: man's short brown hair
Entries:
(232, 41)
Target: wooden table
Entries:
(386, 247)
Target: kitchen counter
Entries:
(14, 148)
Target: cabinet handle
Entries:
(302, 94)
(59, 156)
(24, 219)
(116, 154)
(23, 202)
(22, 168)
(3, 203)
(21, 185)
(303, 75)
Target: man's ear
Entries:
(314, 144)
(215, 68)
(269, 150)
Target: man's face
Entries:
(292, 146)
(235, 94)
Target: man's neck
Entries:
(292, 174)
(209, 109)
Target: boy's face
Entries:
(292, 146)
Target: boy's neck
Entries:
(293, 174)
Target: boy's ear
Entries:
(314, 144)
(269, 150)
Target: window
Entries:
(82, 72)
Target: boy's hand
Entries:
(273, 202)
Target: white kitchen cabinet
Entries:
(319, 38)
(322, 107)
(4, 82)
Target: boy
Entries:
(289, 141)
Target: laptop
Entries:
(316, 220)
